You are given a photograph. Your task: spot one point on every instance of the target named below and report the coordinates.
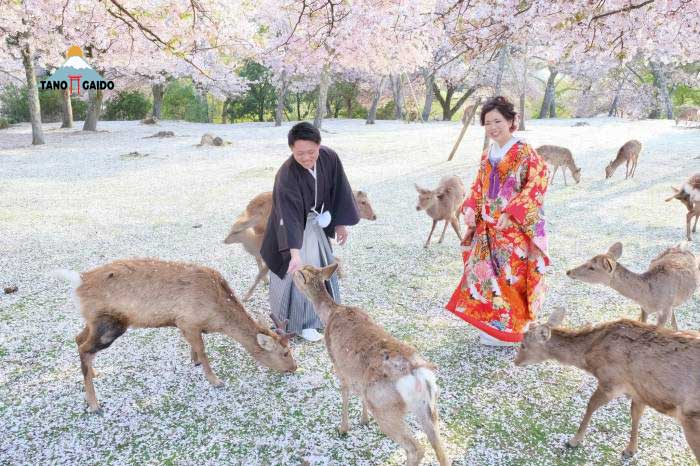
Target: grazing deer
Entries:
(560, 157)
(670, 280)
(628, 153)
(653, 366)
(390, 377)
(689, 195)
(688, 114)
(249, 229)
(149, 293)
(442, 203)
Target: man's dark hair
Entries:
(304, 131)
(504, 107)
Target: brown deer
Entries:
(671, 279)
(389, 376)
(688, 114)
(628, 153)
(442, 203)
(560, 157)
(654, 366)
(689, 195)
(149, 293)
(249, 229)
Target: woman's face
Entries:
(497, 127)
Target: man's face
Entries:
(305, 153)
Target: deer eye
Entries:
(286, 354)
(590, 267)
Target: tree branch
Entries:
(622, 10)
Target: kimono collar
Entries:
(496, 153)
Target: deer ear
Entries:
(361, 193)
(615, 251)
(266, 342)
(557, 317)
(328, 271)
(418, 188)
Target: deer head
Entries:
(533, 348)
(598, 269)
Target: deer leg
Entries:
(79, 339)
(193, 353)
(391, 421)
(345, 393)
(364, 420)
(598, 399)
(194, 338)
(627, 169)
(455, 225)
(442, 236)
(262, 268)
(691, 429)
(636, 412)
(643, 316)
(261, 274)
(430, 423)
(431, 234)
(674, 324)
(551, 178)
(563, 173)
(98, 337)
(688, 219)
(662, 317)
(695, 226)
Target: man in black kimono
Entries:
(311, 202)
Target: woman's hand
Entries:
(503, 222)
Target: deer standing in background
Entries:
(671, 279)
(149, 293)
(628, 153)
(442, 203)
(389, 376)
(560, 157)
(653, 366)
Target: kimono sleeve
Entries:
(471, 207)
(525, 206)
(289, 209)
(343, 206)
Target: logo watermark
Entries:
(74, 74)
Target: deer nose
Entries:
(568, 273)
(374, 217)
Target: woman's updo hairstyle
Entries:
(504, 107)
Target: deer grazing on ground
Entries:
(442, 203)
(653, 366)
(689, 195)
(688, 114)
(149, 293)
(249, 229)
(560, 157)
(389, 376)
(628, 153)
(671, 279)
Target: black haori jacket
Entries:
(292, 200)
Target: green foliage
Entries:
(181, 102)
(686, 95)
(14, 105)
(342, 101)
(387, 111)
(127, 105)
(258, 104)
(4, 123)
(300, 106)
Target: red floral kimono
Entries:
(502, 289)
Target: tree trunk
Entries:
(548, 93)
(445, 103)
(32, 91)
(93, 113)
(158, 91)
(523, 91)
(502, 58)
(322, 96)
(429, 78)
(224, 111)
(372, 114)
(553, 107)
(662, 85)
(281, 96)
(397, 90)
(67, 110)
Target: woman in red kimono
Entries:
(505, 246)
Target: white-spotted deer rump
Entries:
(653, 366)
(443, 203)
(149, 293)
(389, 376)
(670, 280)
